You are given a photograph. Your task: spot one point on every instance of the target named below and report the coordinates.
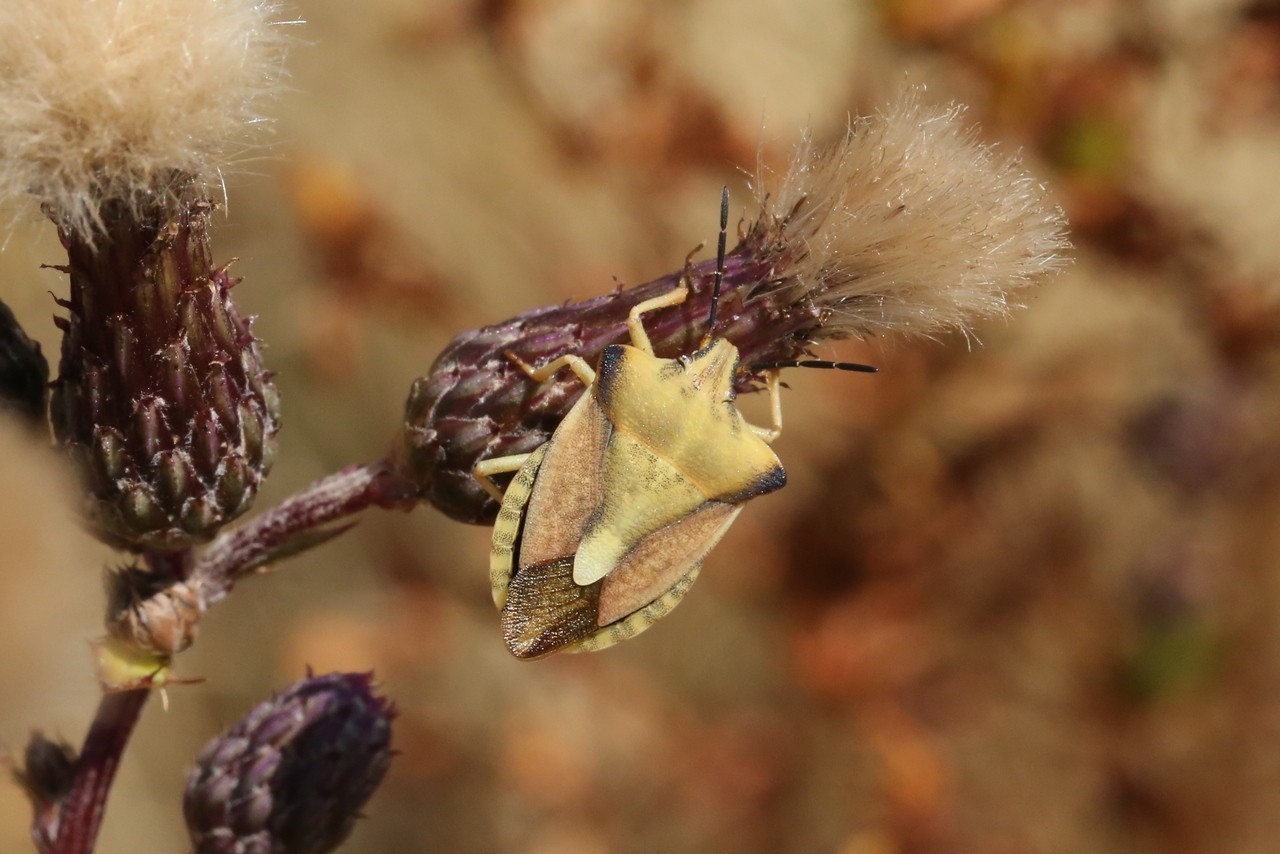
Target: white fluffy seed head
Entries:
(129, 100)
(911, 225)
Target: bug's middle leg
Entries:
(577, 364)
(484, 471)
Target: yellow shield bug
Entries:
(604, 528)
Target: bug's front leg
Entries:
(635, 325)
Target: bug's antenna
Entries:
(719, 276)
(816, 363)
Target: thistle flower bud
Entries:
(908, 225)
(293, 775)
(161, 398)
(24, 373)
(111, 114)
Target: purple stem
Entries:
(329, 499)
(81, 813)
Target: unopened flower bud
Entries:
(293, 775)
(162, 398)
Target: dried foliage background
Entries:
(1018, 598)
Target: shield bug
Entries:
(604, 528)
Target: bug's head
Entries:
(713, 368)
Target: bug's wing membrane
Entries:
(569, 486)
(546, 611)
(658, 561)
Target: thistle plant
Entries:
(118, 120)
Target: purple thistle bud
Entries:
(162, 399)
(907, 225)
(24, 373)
(293, 775)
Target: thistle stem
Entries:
(175, 564)
(330, 499)
(81, 815)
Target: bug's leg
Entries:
(484, 471)
(640, 338)
(577, 364)
(768, 434)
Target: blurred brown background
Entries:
(1023, 597)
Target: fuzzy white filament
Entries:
(911, 225)
(124, 99)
